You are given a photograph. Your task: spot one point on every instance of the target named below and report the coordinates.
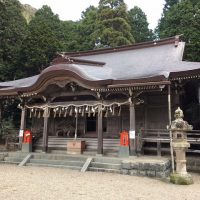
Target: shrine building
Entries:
(95, 95)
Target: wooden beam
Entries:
(1, 125)
(158, 144)
(100, 131)
(146, 112)
(72, 94)
(140, 84)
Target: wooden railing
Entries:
(162, 136)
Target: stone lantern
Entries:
(179, 129)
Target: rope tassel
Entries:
(70, 112)
(31, 113)
(65, 114)
(82, 114)
(119, 113)
(35, 113)
(106, 115)
(60, 112)
(39, 114)
(89, 112)
(54, 113)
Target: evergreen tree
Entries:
(13, 30)
(87, 27)
(112, 27)
(169, 4)
(69, 37)
(42, 42)
(183, 18)
(139, 25)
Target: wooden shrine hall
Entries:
(99, 93)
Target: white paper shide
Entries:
(21, 133)
(132, 134)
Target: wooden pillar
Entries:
(170, 132)
(146, 112)
(22, 126)
(199, 93)
(100, 131)
(132, 130)
(45, 132)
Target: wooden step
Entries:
(60, 143)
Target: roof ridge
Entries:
(65, 59)
(170, 40)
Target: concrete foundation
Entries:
(26, 148)
(124, 151)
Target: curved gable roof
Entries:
(140, 63)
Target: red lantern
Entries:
(124, 139)
(28, 137)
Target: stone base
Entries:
(181, 179)
(99, 155)
(26, 148)
(2, 156)
(146, 166)
(75, 146)
(124, 151)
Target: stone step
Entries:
(95, 169)
(58, 152)
(17, 154)
(38, 150)
(13, 159)
(57, 162)
(56, 166)
(9, 162)
(111, 153)
(105, 165)
(107, 160)
(90, 152)
(94, 153)
(59, 157)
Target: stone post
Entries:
(179, 129)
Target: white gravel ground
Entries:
(35, 183)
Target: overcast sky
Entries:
(71, 9)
